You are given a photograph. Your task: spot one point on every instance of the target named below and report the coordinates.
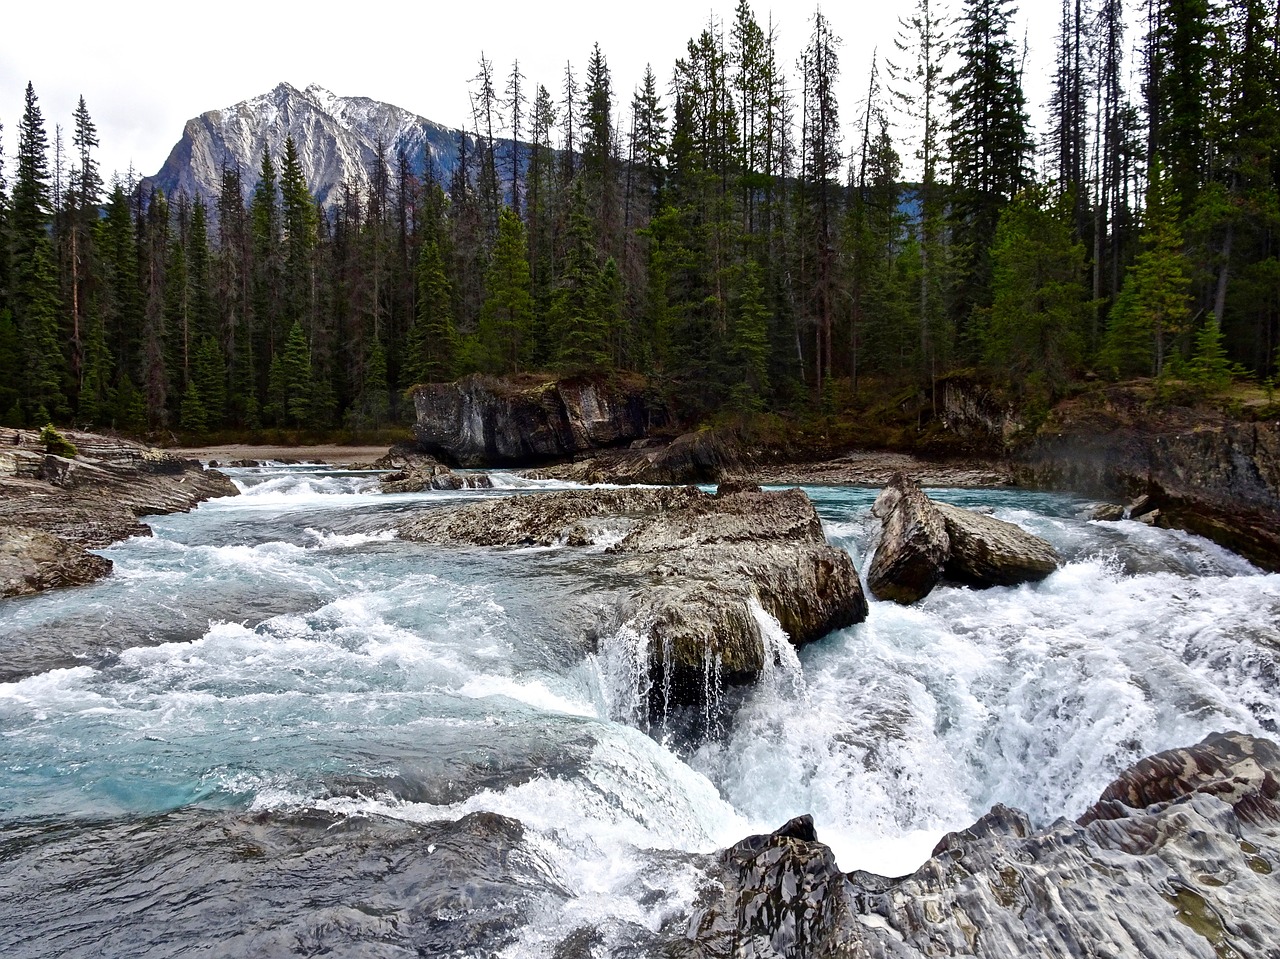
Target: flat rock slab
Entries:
(32, 560)
(89, 500)
(694, 569)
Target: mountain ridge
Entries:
(337, 139)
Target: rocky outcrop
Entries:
(690, 572)
(419, 479)
(1208, 474)
(1179, 862)
(519, 421)
(86, 501)
(923, 542)
(32, 560)
(913, 547)
(704, 456)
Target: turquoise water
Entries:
(283, 652)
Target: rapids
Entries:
(280, 656)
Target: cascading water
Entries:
(283, 655)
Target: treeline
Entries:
(737, 236)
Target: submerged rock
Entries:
(691, 573)
(88, 501)
(923, 542)
(492, 421)
(1176, 859)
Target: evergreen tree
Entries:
(298, 219)
(432, 343)
(580, 333)
(34, 295)
(1035, 332)
(1154, 304)
(988, 141)
(506, 318)
(749, 343)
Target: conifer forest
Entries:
(724, 227)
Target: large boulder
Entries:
(914, 545)
(1177, 859)
(986, 551)
(923, 542)
(519, 421)
(692, 576)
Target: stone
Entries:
(519, 421)
(913, 547)
(1107, 512)
(90, 500)
(32, 560)
(416, 479)
(1176, 859)
(986, 551)
(690, 571)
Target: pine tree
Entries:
(748, 349)
(298, 219)
(578, 330)
(988, 141)
(432, 342)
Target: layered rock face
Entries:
(1176, 859)
(692, 569)
(923, 542)
(490, 421)
(84, 502)
(1205, 473)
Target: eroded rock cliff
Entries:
(521, 421)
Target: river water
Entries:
(278, 729)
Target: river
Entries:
(278, 729)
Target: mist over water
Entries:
(283, 652)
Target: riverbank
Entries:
(329, 453)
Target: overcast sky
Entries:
(145, 69)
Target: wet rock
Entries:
(275, 884)
(92, 499)
(1176, 859)
(1208, 474)
(705, 456)
(923, 542)
(913, 547)
(32, 560)
(1242, 771)
(1107, 512)
(1141, 506)
(691, 572)
(403, 456)
(491, 421)
(986, 551)
(418, 479)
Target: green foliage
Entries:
(55, 443)
(1153, 305)
(1039, 308)
(506, 319)
(1209, 370)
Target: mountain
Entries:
(336, 138)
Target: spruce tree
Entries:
(1035, 333)
(506, 318)
(35, 295)
(1154, 303)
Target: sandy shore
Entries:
(335, 455)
